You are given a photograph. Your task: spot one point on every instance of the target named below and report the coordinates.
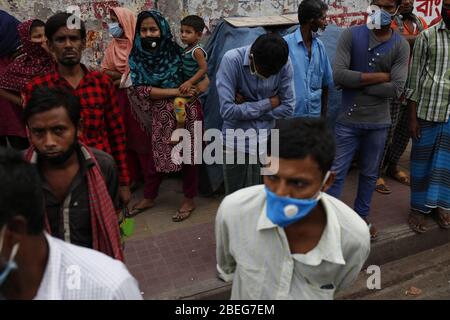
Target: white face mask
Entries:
(253, 70)
(10, 264)
(318, 33)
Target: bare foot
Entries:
(187, 205)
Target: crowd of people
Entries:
(77, 140)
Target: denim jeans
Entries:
(370, 145)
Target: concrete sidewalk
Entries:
(177, 260)
(428, 271)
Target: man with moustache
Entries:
(102, 125)
(79, 183)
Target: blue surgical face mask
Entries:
(284, 211)
(10, 265)
(115, 29)
(382, 16)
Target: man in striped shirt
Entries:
(428, 92)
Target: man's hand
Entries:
(124, 195)
(239, 99)
(185, 87)
(368, 79)
(387, 77)
(275, 102)
(414, 126)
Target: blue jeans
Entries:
(370, 144)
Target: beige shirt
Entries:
(254, 253)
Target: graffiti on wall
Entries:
(430, 10)
(346, 16)
(343, 13)
(93, 12)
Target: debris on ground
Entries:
(413, 291)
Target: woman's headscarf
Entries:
(161, 68)
(9, 37)
(116, 55)
(34, 61)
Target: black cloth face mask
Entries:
(150, 43)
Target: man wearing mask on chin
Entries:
(287, 239)
(80, 183)
(255, 87)
(33, 264)
(371, 66)
(312, 69)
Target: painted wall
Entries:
(342, 13)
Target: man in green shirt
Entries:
(428, 93)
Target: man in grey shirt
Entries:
(371, 66)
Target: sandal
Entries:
(182, 215)
(373, 231)
(416, 222)
(135, 210)
(442, 218)
(381, 187)
(400, 176)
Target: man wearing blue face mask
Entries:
(371, 66)
(287, 239)
(312, 69)
(34, 265)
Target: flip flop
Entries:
(400, 176)
(417, 223)
(135, 211)
(442, 219)
(381, 187)
(373, 231)
(182, 215)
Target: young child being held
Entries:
(194, 62)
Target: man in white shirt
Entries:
(34, 265)
(288, 239)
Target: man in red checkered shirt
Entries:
(102, 123)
